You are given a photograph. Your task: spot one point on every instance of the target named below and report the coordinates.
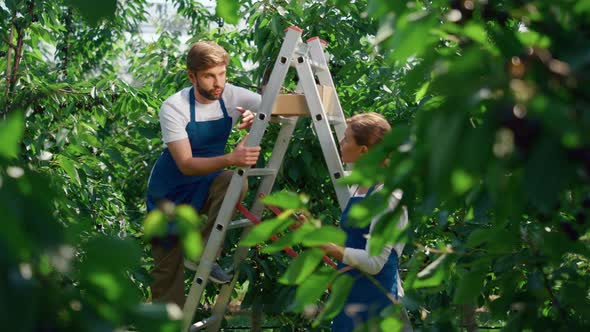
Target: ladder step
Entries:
(318, 67)
(334, 120)
(262, 171)
(283, 119)
(314, 65)
(202, 324)
(239, 223)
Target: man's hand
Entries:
(243, 155)
(247, 118)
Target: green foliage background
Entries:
(491, 144)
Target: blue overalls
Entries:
(369, 299)
(207, 139)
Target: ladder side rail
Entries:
(282, 64)
(275, 162)
(317, 54)
(275, 82)
(212, 248)
(323, 130)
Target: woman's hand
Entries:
(334, 250)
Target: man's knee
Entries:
(223, 180)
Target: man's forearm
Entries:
(204, 165)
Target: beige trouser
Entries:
(168, 272)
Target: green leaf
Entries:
(265, 230)
(155, 224)
(285, 241)
(412, 36)
(313, 288)
(478, 33)
(461, 181)
(228, 10)
(186, 217)
(275, 25)
(302, 267)
(444, 133)
(68, 166)
(11, 132)
(433, 274)
(391, 324)
(582, 7)
(386, 230)
(324, 235)
(335, 304)
(469, 287)
(192, 243)
(94, 11)
(290, 239)
(106, 282)
(116, 156)
(101, 250)
(542, 190)
(285, 200)
(422, 92)
(478, 237)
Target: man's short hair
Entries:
(204, 55)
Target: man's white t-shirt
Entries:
(175, 111)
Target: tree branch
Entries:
(20, 32)
(9, 41)
(8, 68)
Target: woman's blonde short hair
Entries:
(368, 128)
(204, 55)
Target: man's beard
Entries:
(208, 94)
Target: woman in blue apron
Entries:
(366, 299)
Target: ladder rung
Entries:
(315, 66)
(335, 120)
(239, 223)
(201, 324)
(261, 171)
(318, 67)
(302, 49)
(283, 119)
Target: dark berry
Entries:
(569, 230)
(581, 217)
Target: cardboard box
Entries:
(296, 105)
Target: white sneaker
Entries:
(219, 276)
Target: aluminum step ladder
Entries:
(309, 59)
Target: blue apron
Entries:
(207, 139)
(364, 295)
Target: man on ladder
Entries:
(310, 61)
(196, 123)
